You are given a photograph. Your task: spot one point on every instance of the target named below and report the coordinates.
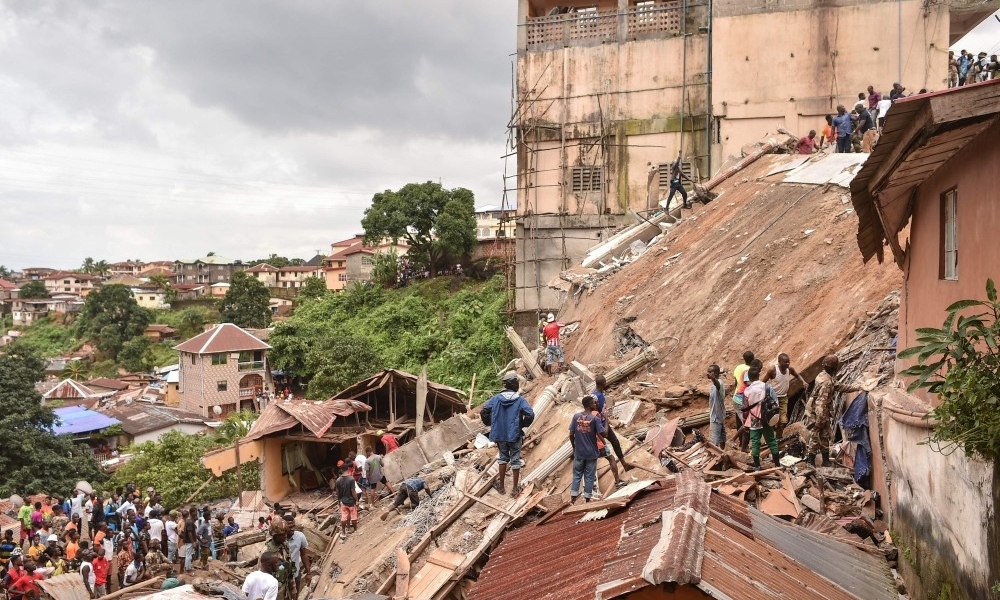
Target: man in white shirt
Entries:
(171, 528)
(261, 584)
(155, 525)
(126, 506)
(882, 108)
(298, 547)
(361, 464)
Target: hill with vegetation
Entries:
(451, 325)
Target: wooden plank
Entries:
(487, 504)
(527, 357)
(598, 505)
(439, 568)
(421, 399)
(402, 574)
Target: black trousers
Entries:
(609, 435)
(402, 494)
(675, 186)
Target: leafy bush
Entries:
(960, 363)
(341, 338)
(173, 466)
(49, 338)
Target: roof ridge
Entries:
(215, 332)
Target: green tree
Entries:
(101, 268)
(111, 317)
(76, 369)
(960, 362)
(192, 321)
(385, 270)
(436, 223)
(274, 260)
(247, 303)
(88, 265)
(4, 272)
(136, 355)
(339, 360)
(313, 287)
(34, 289)
(160, 280)
(173, 466)
(236, 425)
(34, 459)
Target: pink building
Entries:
(226, 368)
(929, 197)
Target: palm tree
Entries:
(160, 280)
(88, 265)
(75, 369)
(101, 268)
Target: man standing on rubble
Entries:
(755, 394)
(584, 430)
(780, 375)
(553, 344)
(279, 547)
(506, 414)
(717, 407)
(676, 174)
(600, 386)
(845, 127)
(739, 375)
(817, 417)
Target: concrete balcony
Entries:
(254, 365)
(585, 28)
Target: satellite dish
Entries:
(217, 410)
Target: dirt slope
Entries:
(747, 277)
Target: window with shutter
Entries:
(587, 179)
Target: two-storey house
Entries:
(68, 282)
(222, 370)
(208, 269)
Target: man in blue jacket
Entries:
(506, 414)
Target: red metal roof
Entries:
(569, 560)
(316, 417)
(225, 337)
(111, 384)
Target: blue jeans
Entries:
(510, 453)
(188, 550)
(586, 469)
(843, 144)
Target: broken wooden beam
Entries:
(753, 474)
(527, 356)
(487, 504)
(245, 538)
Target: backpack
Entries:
(770, 410)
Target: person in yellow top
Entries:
(739, 375)
(36, 549)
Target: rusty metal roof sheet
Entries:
(316, 417)
(402, 379)
(863, 574)
(64, 587)
(629, 491)
(569, 560)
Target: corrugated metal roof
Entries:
(224, 337)
(65, 587)
(405, 380)
(557, 559)
(865, 575)
(76, 419)
(184, 592)
(911, 125)
(316, 417)
(70, 389)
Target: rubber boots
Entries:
(826, 458)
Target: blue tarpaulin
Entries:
(76, 419)
(855, 424)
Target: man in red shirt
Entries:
(388, 440)
(101, 566)
(553, 346)
(807, 145)
(25, 586)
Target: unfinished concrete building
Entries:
(608, 92)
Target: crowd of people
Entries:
(967, 68)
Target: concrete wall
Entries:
(943, 514)
(154, 436)
(275, 485)
(790, 62)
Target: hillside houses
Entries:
(351, 260)
(207, 270)
(68, 282)
(288, 278)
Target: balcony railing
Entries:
(248, 392)
(255, 365)
(662, 19)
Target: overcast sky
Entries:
(161, 130)
(984, 37)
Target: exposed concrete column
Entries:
(522, 29)
(622, 20)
